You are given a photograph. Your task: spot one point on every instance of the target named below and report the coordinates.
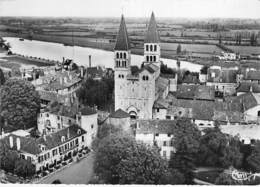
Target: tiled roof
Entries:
(152, 35)
(156, 126)
(191, 79)
(122, 40)
(246, 101)
(31, 145)
(197, 109)
(200, 92)
(88, 111)
(119, 114)
(54, 81)
(161, 103)
(252, 75)
(51, 96)
(232, 117)
(248, 86)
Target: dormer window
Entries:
(63, 139)
(79, 131)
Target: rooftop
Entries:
(152, 35)
(122, 40)
(119, 114)
(31, 145)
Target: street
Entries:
(78, 173)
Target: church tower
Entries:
(152, 49)
(122, 56)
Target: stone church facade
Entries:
(137, 89)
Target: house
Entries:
(120, 119)
(224, 81)
(60, 86)
(227, 56)
(196, 92)
(55, 118)
(48, 150)
(159, 133)
(246, 87)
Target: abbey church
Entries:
(139, 90)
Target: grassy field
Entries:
(245, 50)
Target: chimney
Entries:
(82, 72)
(11, 141)
(89, 57)
(68, 133)
(18, 144)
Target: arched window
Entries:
(154, 58)
(144, 78)
(147, 58)
(258, 113)
(63, 139)
(121, 55)
(147, 47)
(119, 76)
(124, 55)
(79, 131)
(147, 78)
(151, 58)
(151, 47)
(155, 47)
(117, 55)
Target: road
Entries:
(78, 173)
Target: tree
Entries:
(187, 146)
(20, 104)
(7, 157)
(204, 70)
(179, 49)
(121, 160)
(254, 159)
(95, 92)
(2, 77)
(219, 150)
(226, 179)
(24, 168)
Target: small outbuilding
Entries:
(120, 118)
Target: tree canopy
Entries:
(218, 149)
(20, 104)
(96, 92)
(187, 145)
(254, 159)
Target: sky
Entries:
(132, 8)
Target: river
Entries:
(56, 51)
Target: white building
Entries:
(49, 150)
(136, 89)
(54, 119)
(159, 133)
